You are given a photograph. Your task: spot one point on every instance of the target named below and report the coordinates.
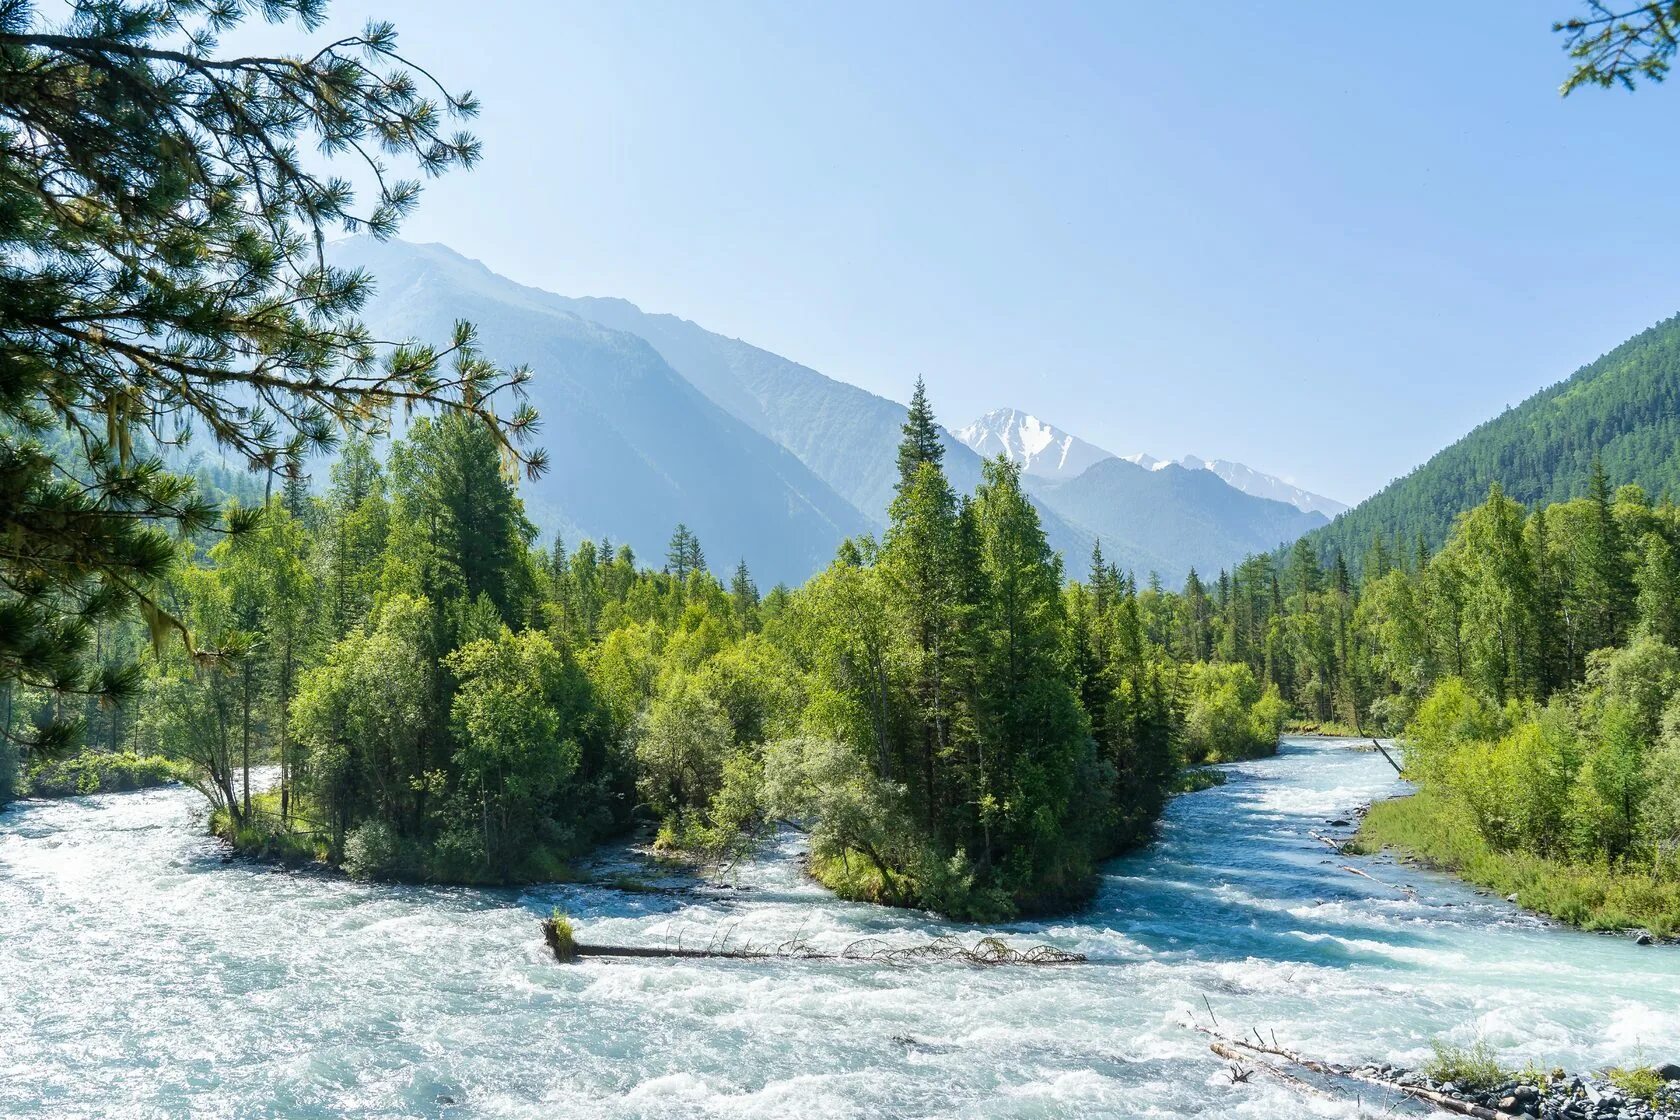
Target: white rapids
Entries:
(141, 976)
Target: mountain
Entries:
(651, 419)
(1170, 519)
(1623, 408)
(847, 436)
(635, 447)
(1251, 481)
(1166, 524)
(1043, 450)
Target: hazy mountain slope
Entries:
(847, 436)
(635, 448)
(1172, 519)
(1043, 450)
(652, 419)
(1624, 407)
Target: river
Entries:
(141, 976)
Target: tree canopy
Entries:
(162, 214)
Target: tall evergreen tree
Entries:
(679, 553)
(921, 443)
(743, 593)
(458, 529)
(1604, 582)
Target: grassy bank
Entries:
(99, 772)
(1438, 831)
(1194, 779)
(1324, 729)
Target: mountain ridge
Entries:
(634, 447)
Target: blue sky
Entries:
(1323, 239)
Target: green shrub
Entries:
(372, 851)
(99, 772)
(1227, 715)
(1472, 1067)
(557, 931)
(1194, 779)
(1642, 1083)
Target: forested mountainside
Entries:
(1623, 408)
(635, 447)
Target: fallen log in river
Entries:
(1236, 1049)
(987, 952)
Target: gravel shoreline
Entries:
(1559, 1096)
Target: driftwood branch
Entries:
(1225, 1047)
(987, 952)
(1409, 892)
(1388, 756)
(1237, 1057)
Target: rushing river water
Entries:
(140, 976)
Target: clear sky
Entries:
(1322, 239)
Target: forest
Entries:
(957, 725)
(445, 699)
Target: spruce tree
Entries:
(743, 593)
(921, 443)
(679, 553)
(1604, 581)
(1659, 591)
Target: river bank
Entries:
(91, 772)
(1437, 832)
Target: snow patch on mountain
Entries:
(1251, 481)
(1042, 449)
(1049, 452)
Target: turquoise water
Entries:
(140, 976)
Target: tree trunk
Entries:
(245, 739)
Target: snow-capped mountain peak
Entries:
(1048, 452)
(1251, 481)
(1042, 449)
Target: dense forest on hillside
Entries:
(1622, 410)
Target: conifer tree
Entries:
(162, 277)
(743, 593)
(1659, 592)
(678, 553)
(1604, 583)
(921, 443)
